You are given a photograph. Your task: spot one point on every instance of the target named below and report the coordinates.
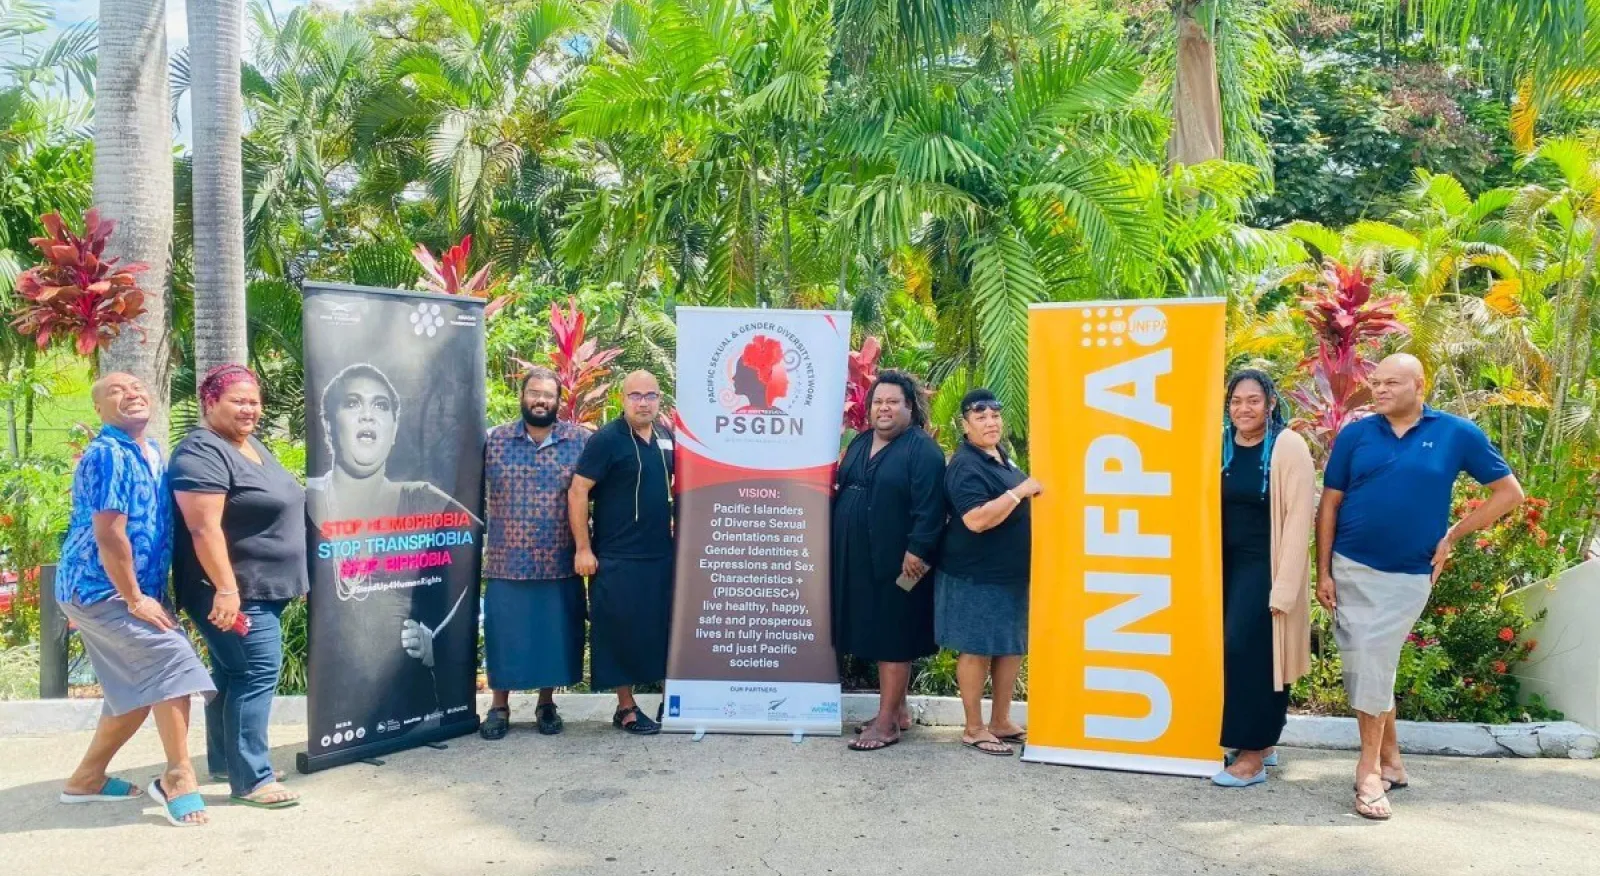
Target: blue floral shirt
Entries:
(529, 538)
(115, 474)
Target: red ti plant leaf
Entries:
(448, 275)
(1347, 321)
(863, 369)
(581, 367)
(74, 292)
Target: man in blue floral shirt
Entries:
(112, 583)
(533, 612)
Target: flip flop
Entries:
(1018, 738)
(978, 745)
(113, 791)
(262, 804)
(179, 807)
(1363, 801)
(868, 744)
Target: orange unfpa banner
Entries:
(1125, 626)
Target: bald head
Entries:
(641, 400)
(1397, 386)
(121, 400)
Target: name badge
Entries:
(664, 443)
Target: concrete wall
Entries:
(1565, 668)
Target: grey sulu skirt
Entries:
(1376, 611)
(137, 665)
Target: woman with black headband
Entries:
(981, 600)
(1268, 503)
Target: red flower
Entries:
(1500, 667)
(1507, 634)
(1484, 544)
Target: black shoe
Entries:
(496, 724)
(549, 722)
(641, 725)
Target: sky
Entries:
(70, 12)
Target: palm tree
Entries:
(218, 181)
(1224, 64)
(1004, 192)
(133, 179)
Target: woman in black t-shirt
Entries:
(981, 602)
(239, 556)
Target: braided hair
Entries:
(218, 379)
(1276, 422)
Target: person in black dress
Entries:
(888, 518)
(1259, 458)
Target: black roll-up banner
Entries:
(395, 413)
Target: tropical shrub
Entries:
(76, 292)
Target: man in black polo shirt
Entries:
(626, 472)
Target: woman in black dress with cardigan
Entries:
(888, 517)
(1268, 489)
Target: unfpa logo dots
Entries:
(425, 320)
(1109, 327)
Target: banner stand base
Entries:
(1202, 768)
(699, 733)
(305, 764)
(799, 736)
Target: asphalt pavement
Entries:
(593, 801)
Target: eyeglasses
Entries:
(984, 407)
(636, 397)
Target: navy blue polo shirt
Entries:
(1397, 490)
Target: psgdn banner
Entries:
(760, 406)
(1125, 670)
(395, 399)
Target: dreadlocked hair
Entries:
(1275, 421)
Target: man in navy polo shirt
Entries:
(1383, 537)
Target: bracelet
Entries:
(233, 592)
(1014, 497)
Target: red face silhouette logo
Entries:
(759, 375)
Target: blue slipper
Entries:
(113, 791)
(180, 807)
(1270, 760)
(1226, 779)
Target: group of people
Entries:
(926, 553)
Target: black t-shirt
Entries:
(263, 518)
(632, 495)
(1001, 555)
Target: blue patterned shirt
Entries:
(529, 537)
(115, 474)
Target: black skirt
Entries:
(630, 617)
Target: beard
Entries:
(537, 420)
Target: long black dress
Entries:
(885, 505)
(1253, 713)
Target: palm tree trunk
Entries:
(219, 291)
(1196, 96)
(133, 181)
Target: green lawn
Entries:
(68, 379)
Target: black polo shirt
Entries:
(996, 556)
(632, 513)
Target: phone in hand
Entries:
(241, 624)
(905, 582)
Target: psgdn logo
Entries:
(425, 320)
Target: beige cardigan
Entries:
(1294, 504)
